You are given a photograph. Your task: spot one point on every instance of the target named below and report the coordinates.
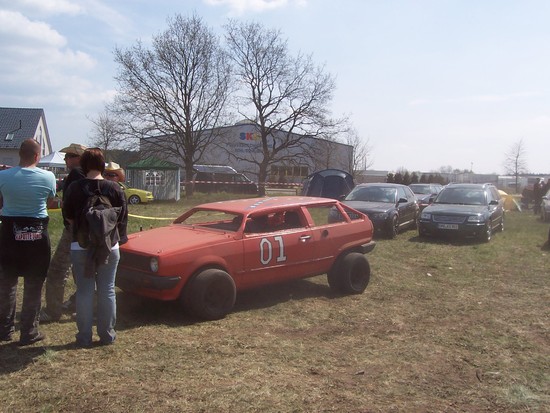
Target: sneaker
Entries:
(46, 317)
(7, 337)
(81, 344)
(69, 306)
(31, 340)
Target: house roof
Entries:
(22, 122)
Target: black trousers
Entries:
(25, 251)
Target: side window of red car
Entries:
(325, 214)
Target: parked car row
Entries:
(215, 250)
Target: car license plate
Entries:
(447, 226)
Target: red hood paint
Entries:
(173, 238)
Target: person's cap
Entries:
(74, 149)
(114, 168)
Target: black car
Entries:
(464, 209)
(425, 193)
(219, 178)
(390, 207)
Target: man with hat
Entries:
(61, 260)
(113, 172)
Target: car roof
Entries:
(215, 169)
(382, 184)
(249, 205)
(480, 186)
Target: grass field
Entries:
(442, 327)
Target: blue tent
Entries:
(328, 183)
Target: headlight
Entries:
(425, 215)
(154, 264)
(476, 218)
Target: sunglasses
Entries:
(71, 155)
(111, 175)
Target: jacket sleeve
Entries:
(123, 217)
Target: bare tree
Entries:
(515, 163)
(174, 93)
(109, 132)
(286, 97)
(362, 152)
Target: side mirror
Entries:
(402, 200)
(493, 202)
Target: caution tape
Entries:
(154, 218)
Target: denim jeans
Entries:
(106, 298)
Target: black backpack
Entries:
(96, 219)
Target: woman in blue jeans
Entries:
(95, 263)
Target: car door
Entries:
(407, 210)
(276, 252)
(496, 210)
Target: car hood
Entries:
(455, 209)
(139, 192)
(423, 197)
(370, 207)
(173, 238)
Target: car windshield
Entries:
(421, 189)
(372, 194)
(211, 219)
(461, 196)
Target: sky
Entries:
(426, 83)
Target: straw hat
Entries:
(113, 167)
(74, 148)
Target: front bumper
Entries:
(470, 229)
(154, 286)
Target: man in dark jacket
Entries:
(58, 273)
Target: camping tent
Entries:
(328, 183)
(53, 160)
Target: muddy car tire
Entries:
(210, 295)
(350, 274)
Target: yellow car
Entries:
(136, 196)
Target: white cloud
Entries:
(49, 7)
(241, 6)
(18, 29)
(37, 64)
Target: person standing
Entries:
(90, 272)
(113, 172)
(25, 244)
(537, 195)
(58, 273)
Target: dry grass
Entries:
(443, 327)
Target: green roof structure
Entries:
(153, 163)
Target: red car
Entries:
(214, 250)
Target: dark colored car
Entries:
(474, 210)
(219, 178)
(390, 207)
(425, 193)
